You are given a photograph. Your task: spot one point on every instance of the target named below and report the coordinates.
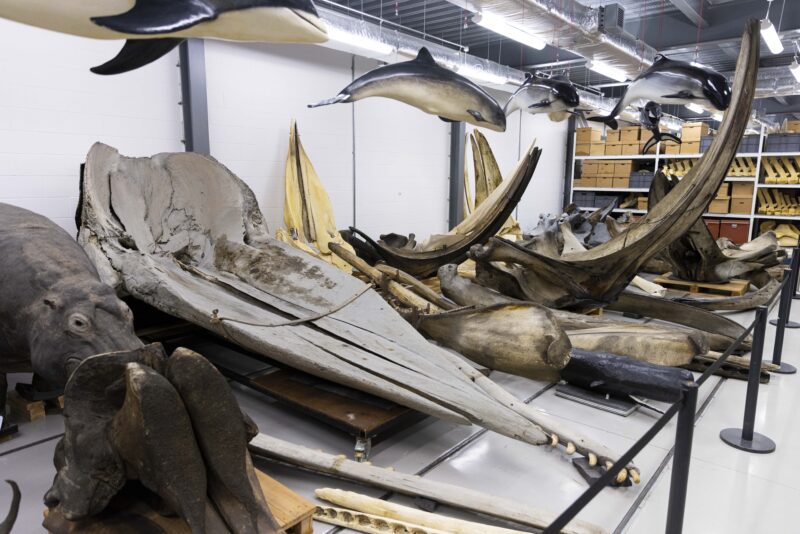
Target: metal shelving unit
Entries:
(753, 217)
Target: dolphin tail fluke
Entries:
(341, 97)
(608, 120)
(137, 53)
(11, 518)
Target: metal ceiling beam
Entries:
(692, 10)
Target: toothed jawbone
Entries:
(261, 24)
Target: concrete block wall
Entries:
(52, 109)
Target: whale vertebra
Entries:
(427, 86)
(154, 27)
(673, 82)
(555, 96)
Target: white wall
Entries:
(52, 109)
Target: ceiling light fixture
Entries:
(498, 24)
(607, 70)
(769, 33)
(696, 108)
(795, 69)
(359, 41)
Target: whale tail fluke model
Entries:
(341, 97)
(11, 518)
(137, 53)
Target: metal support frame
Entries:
(194, 96)
(791, 288)
(746, 438)
(456, 201)
(783, 316)
(569, 166)
(692, 10)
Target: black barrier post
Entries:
(679, 484)
(746, 438)
(783, 314)
(795, 266)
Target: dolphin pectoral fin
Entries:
(11, 518)
(446, 119)
(650, 142)
(542, 104)
(341, 97)
(159, 16)
(137, 53)
(681, 94)
(609, 121)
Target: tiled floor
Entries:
(729, 491)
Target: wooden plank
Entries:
(735, 287)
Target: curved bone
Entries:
(600, 274)
(13, 510)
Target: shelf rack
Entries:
(751, 217)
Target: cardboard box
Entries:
(583, 149)
(713, 227)
(669, 147)
(723, 191)
(605, 181)
(631, 149)
(741, 205)
(597, 149)
(719, 205)
(630, 134)
(589, 168)
(735, 230)
(743, 189)
(792, 126)
(612, 136)
(641, 203)
(587, 135)
(605, 168)
(613, 149)
(623, 168)
(622, 182)
(694, 131)
(690, 147)
(590, 181)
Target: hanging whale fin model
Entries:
(137, 53)
(673, 82)
(650, 116)
(429, 87)
(555, 96)
(11, 518)
(273, 21)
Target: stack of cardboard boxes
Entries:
(622, 142)
(691, 134)
(589, 142)
(742, 197)
(605, 174)
(721, 202)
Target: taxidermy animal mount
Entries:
(54, 310)
(429, 87)
(555, 96)
(172, 424)
(154, 27)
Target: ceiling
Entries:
(666, 25)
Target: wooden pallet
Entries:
(295, 515)
(734, 288)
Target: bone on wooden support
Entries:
(446, 494)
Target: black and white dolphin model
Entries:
(154, 27)
(673, 82)
(427, 86)
(555, 96)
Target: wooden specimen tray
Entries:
(734, 288)
(129, 512)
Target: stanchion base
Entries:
(789, 324)
(760, 444)
(785, 369)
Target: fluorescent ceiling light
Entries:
(498, 24)
(607, 70)
(359, 41)
(771, 37)
(794, 68)
(479, 74)
(718, 116)
(695, 108)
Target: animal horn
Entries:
(11, 518)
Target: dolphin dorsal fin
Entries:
(659, 58)
(424, 56)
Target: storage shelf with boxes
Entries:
(760, 183)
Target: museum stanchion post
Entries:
(783, 315)
(746, 438)
(679, 483)
(795, 267)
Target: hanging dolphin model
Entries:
(555, 96)
(155, 27)
(673, 82)
(427, 86)
(650, 116)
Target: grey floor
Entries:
(729, 491)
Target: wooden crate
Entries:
(734, 288)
